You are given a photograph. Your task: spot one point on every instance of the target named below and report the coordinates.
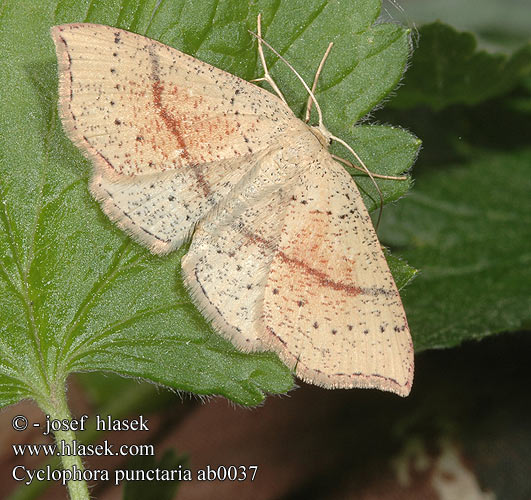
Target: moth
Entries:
(283, 253)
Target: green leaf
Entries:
(448, 69)
(76, 294)
(402, 272)
(468, 229)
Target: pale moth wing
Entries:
(284, 256)
(169, 136)
(330, 287)
(227, 265)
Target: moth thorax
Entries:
(323, 136)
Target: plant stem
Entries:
(57, 409)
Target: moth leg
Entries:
(267, 77)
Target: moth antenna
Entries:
(314, 86)
(268, 78)
(376, 176)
